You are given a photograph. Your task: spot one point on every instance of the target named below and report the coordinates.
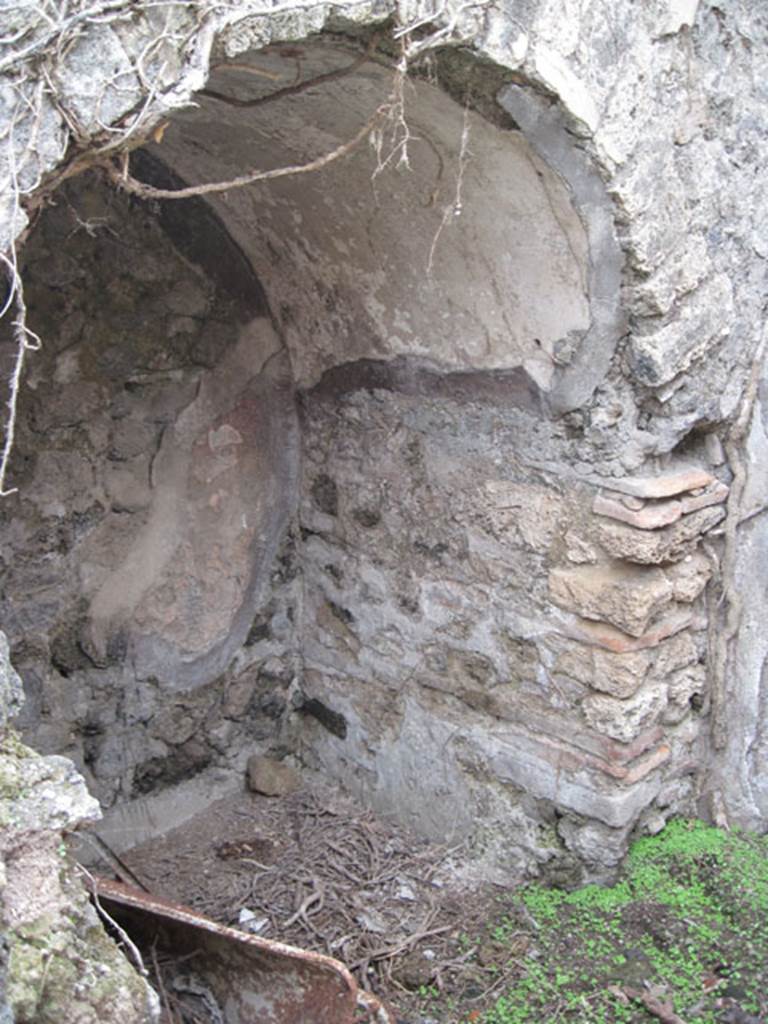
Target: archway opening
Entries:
(285, 467)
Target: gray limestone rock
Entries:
(623, 720)
(11, 692)
(53, 939)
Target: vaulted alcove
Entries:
(289, 466)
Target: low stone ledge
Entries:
(616, 806)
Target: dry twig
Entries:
(335, 886)
(663, 1010)
(124, 937)
(120, 176)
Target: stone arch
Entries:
(367, 570)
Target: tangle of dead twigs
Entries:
(338, 882)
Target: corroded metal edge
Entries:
(296, 958)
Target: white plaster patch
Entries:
(576, 98)
(681, 13)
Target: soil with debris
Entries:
(313, 870)
(681, 937)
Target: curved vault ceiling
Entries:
(343, 257)
(343, 253)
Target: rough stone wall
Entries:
(496, 653)
(664, 101)
(669, 100)
(56, 961)
(154, 466)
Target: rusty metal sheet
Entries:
(254, 980)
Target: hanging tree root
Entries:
(32, 56)
(730, 596)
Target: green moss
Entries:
(692, 903)
(11, 746)
(67, 968)
(688, 918)
(11, 786)
(26, 966)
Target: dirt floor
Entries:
(680, 938)
(314, 870)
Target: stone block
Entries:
(690, 576)
(578, 550)
(529, 511)
(594, 842)
(701, 324)
(619, 675)
(715, 451)
(238, 695)
(187, 298)
(682, 685)
(11, 691)
(270, 777)
(624, 596)
(335, 624)
(40, 794)
(132, 437)
(674, 654)
(127, 484)
(686, 268)
(574, 94)
(649, 517)
(177, 722)
(652, 547)
(623, 720)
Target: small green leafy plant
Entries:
(687, 922)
